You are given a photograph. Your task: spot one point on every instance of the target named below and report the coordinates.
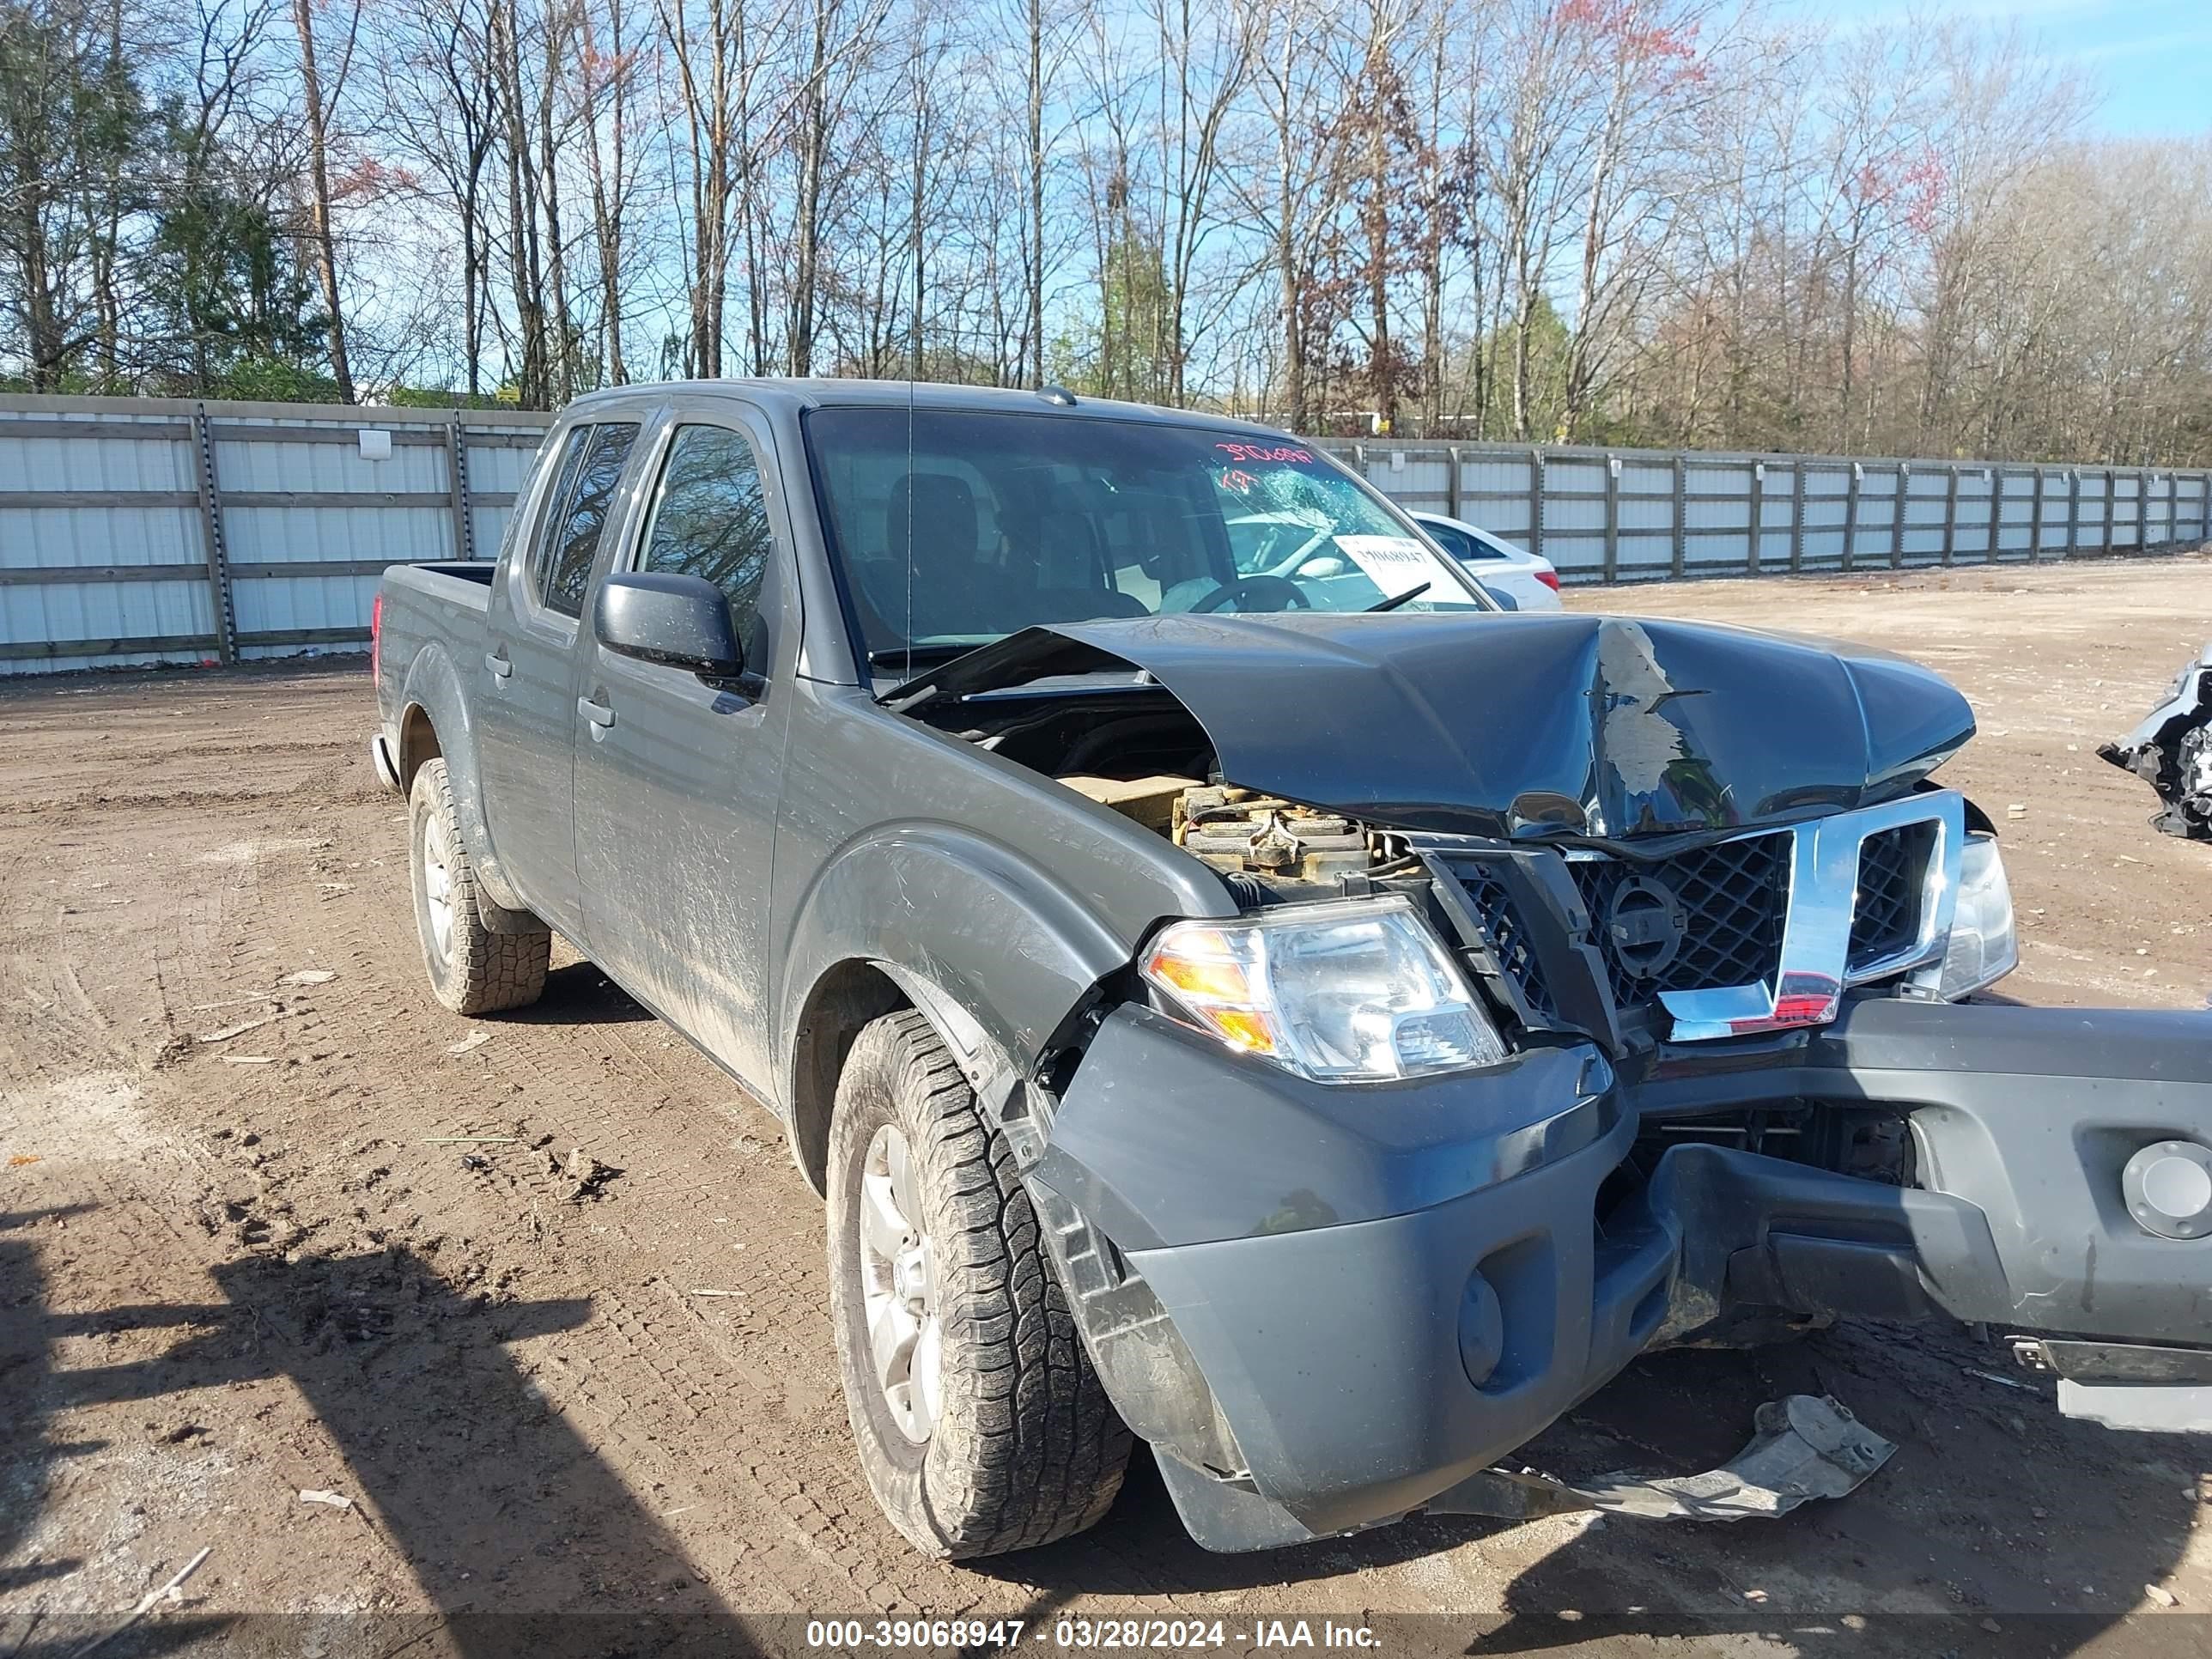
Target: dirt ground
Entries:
(238, 1264)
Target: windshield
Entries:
(1016, 519)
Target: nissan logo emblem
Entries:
(1643, 923)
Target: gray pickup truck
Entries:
(1236, 987)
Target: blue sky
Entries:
(2152, 58)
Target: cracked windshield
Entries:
(1012, 521)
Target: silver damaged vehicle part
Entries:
(2172, 751)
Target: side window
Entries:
(575, 532)
(1460, 545)
(553, 512)
(710, 519)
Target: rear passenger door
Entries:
(677, 778)
(526, 745)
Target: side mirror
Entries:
(683, 621)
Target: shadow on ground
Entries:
(457, 1459)
(1997, 1526)
(578, 993)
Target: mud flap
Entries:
(1806, 1446)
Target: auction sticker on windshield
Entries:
(1391, 563)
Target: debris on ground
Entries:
(474, 1040)
(1806, 1446)
(2171, 750)
(312, 976)
(467, 1140)
(146, 1604)
(224, 1034)
(585, 1174)
(335, 1499)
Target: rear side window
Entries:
(580, 514)
(1459, 543)
(711, 520)
(555, 513)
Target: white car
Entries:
(1523, 581)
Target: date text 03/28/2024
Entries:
(1167, 1635)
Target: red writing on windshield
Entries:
(1264, 452)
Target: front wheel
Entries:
(980, 1424)
(472, 969)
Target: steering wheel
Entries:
(1262, 589)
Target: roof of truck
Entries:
(805, 393)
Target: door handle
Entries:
(600, 715)
(496, 661)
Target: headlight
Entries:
(1351, 992)
(1982, 947)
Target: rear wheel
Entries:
(980, 1424)
(472, 969)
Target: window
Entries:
(575, 532)
(955, 527)
(551, 515)
(1458, 542)
(710, 519)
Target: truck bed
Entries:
(425, 607)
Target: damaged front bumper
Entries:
(1381, 1290)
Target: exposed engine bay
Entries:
(1243, 832)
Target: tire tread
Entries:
(1043, 1451)
(487, 972)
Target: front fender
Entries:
(965, 921)
(433, 684)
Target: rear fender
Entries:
(434, 686)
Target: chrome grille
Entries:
(1729, 902)
(1891, 878)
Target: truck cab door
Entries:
(677, 776)
(526, 745)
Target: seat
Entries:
(934, 515)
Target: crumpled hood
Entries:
(1519, 725)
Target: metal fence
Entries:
(1640, 515)
(144, 530)
(139, 530)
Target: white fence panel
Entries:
(141, 531)
(144, 530)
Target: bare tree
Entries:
(316, 115)
(1619, 219)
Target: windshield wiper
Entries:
(1393, 604)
